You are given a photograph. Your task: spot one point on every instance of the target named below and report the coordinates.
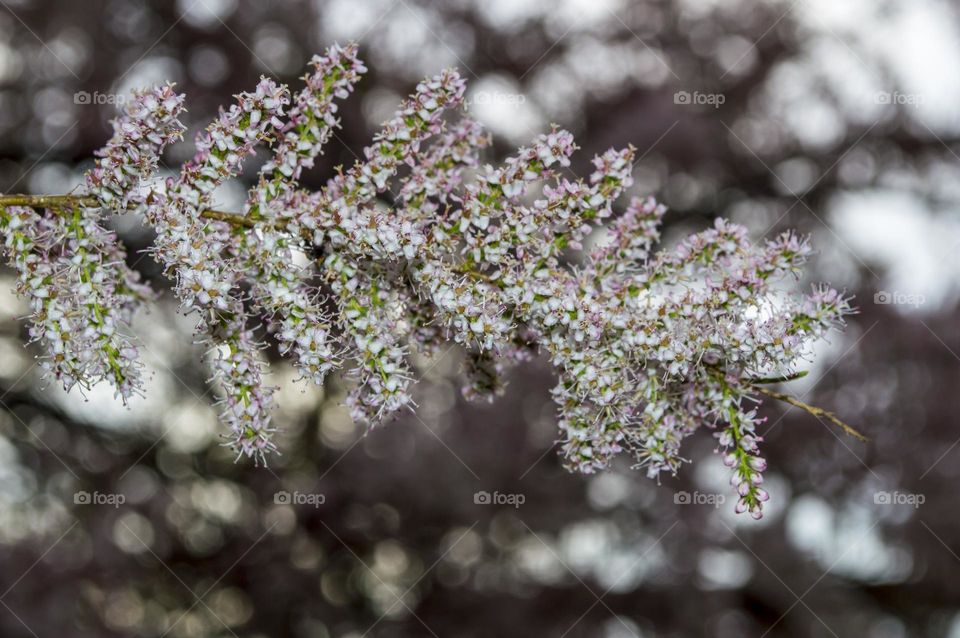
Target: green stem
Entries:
(61, 202)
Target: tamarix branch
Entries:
(648, 345)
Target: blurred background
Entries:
(835, 118)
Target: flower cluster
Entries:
(72, 270)
(120, 178)
(193, 250)
(80, 293)
(402, 251)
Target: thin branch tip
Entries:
(815, 411)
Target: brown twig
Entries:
(782, 379)
(815, 411)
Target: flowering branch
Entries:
(415, 245)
